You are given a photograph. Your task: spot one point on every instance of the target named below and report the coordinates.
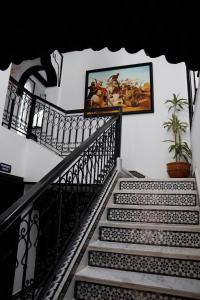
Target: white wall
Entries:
(52, 94)
(39, 88)
(142, 134)
(17, 70)
(38, 161)
(4, 76)
(11, 145)
(27, 158)
(195, 137)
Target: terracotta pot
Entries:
(178, 169)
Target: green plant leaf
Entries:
(179, 149)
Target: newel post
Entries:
(31, 116)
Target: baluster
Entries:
(63, 135)
(42, 125)
(47, 124)
(58, 131)
(76, 130)
(70, 132)
(52, 128)
(11, 111)
(24, 260)
(83, 131)
(7, 109)
(31, 117)
(29, 100)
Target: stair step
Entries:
(104, 284)
(149, 246)
(157, 184)
(166, 261)
(177, 227)
(152, 198)
(146, 250)
(154, 214)
(148, 236)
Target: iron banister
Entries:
(15, 211)
(71, 111)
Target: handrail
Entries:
(57, 129)
(15, 211)
(44, 100)
(71, 111)
(192, 92)
(47, 218)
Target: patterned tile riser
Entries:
(157, 185)
(150, 237)
(95, 291)
(153, 216)
(155, 199)
(145, 264)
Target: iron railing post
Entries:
(11, 113)
(190, 100)
(31, 116)
(118, 134)
(63, 200)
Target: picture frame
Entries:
(128, 88)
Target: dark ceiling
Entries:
(159, 27)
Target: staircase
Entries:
(148, 244)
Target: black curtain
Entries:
(169, 28)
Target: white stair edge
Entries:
(154, 207)
(146, 250)
(151, 226)
(159, 179)
(167, 192)
(146, 282)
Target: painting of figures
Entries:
(129, 87)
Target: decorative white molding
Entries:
(119, 164)
(197, 176)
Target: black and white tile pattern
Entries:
(157, 185)
(155, 199)
(146, 264)
(122, 259)
(153, 216)
(150, 237)
(94, 291)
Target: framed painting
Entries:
(127, 87)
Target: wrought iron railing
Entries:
(192, 85)
(17, 108)
(35, 231)
(57, 129)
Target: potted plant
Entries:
(179, 148)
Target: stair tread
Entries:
(153, 207)
(156, 226)
(158, 179)
(167, 192)
(150, 250)
(149, 282)
(109, 273)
